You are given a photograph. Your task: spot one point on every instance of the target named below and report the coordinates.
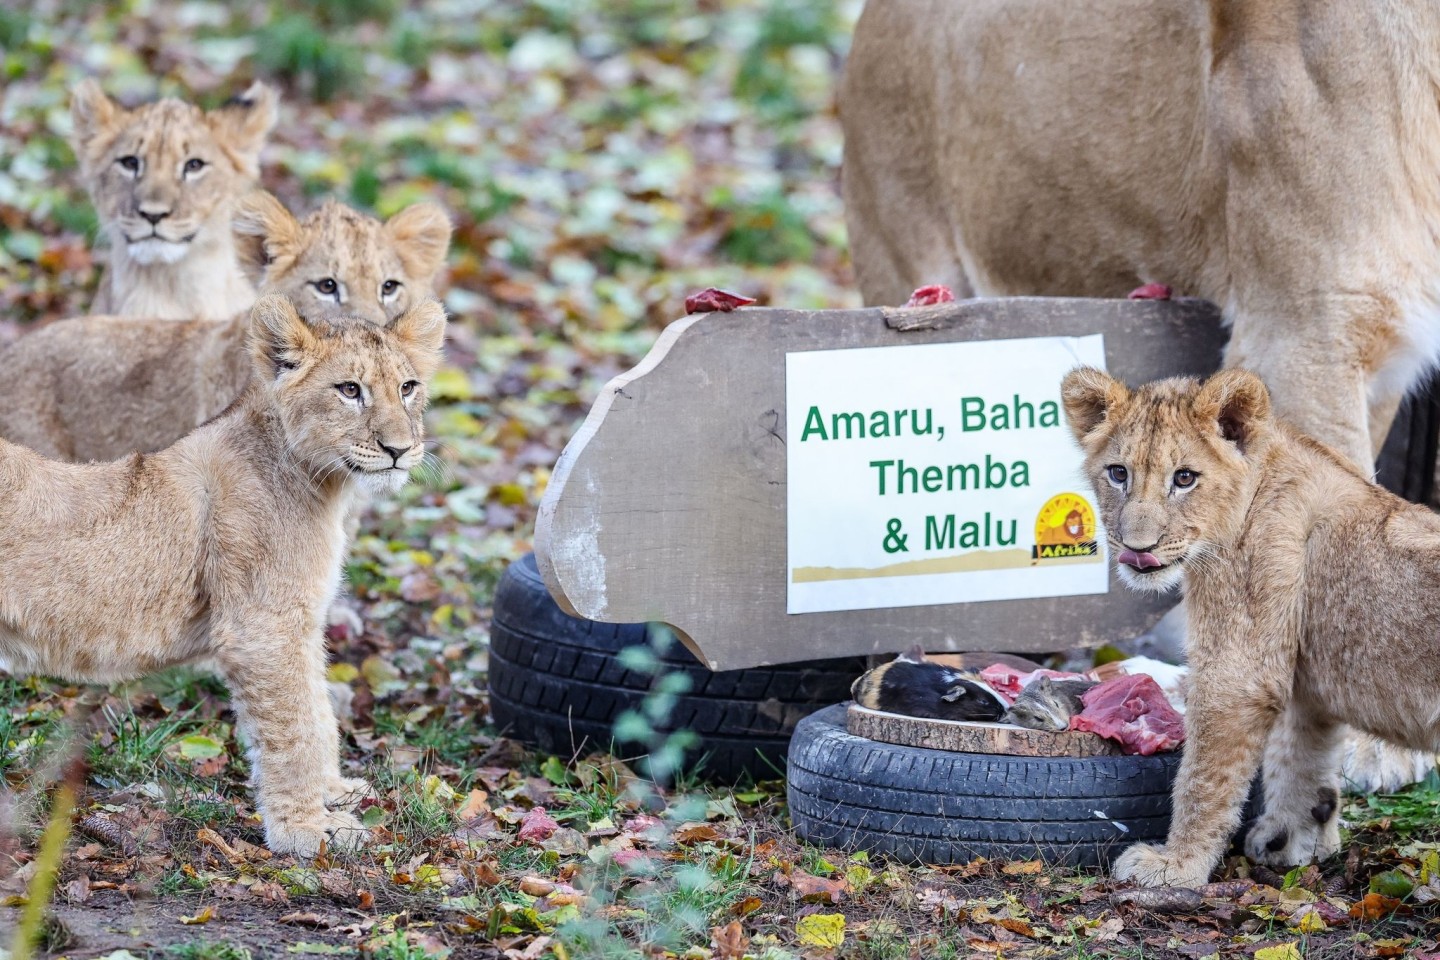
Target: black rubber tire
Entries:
(557, 683)
(938, 807)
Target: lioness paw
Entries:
(1150, 866)
(346, 793)
(1279, 841)
(339, 831)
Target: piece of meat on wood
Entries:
(714, 300)
(930, 295)
(1133, 711)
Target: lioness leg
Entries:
(284, 712)
(1227, 719)
(1301, 821)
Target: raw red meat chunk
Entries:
(1133, 711)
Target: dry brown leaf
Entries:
(365, 899)
(1023, 868)
(1376, 906)
(1016, 926)
(696, 833)
(747, 906)
(729, 942)
(813, 889)
(307, 919)
(476, 805)
(78, 890)
(537, 886)
(485, 874)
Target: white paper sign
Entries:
(937, 473)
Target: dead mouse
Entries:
(912, 686)
(1047, 704)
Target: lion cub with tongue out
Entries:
(1314, 602)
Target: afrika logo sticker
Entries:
(1065, 528)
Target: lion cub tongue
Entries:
(1140, 561)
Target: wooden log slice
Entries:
(959, 736)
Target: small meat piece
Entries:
(714, 300)
(927, 690)
(1008, 681)
(1047, 704)
(1133, 711)
(930, 295)
(1151, 291)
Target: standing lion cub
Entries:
(1313, 593)
(164, 178)
(228, 546)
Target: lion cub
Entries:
(98, 388)
(164, 179)
(228, 545)
(1313, 598)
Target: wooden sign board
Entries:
(669, 504)
(962, 736)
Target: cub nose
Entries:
(395, 452)
(1148, 549)
(153, 216)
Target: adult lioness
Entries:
(97, 388)
(227, 545)
(1313, 597)
(164, 178)
(1280, 157)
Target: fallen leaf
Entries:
(825, 930)
(696, 833)
(1023, 868)
(729, 942)
(1374, 906)
(1285, 951)
(205, 915)
(305, 919)
(536, 826)
(818, 889)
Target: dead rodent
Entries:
(928, 690)
(1047, 704)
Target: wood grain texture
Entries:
(958, 736)
(669, 502)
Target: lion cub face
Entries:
(163, 176)
(338, 262)
(1171, 463)
(350, 394)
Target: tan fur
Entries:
(227, 545)
(98, 388)
(1312, 598)
(1280, 157)
(183, 265)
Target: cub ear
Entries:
(421, 234)
(1090, 396)
(916, 654)
(1239, 404)
(266, 234)
(421, 330)
(279, 339)
(96, 118)
(242, 124)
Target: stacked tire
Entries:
(938, 807)
(558, 683)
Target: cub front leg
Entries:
(1226, 721)
(1301, 822)
(277, 685)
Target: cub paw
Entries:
(340, 832)
(1288, 841)
(1371, 765)
(1150, 866)
(346, 793)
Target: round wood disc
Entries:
(959, 736)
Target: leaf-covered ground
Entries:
(601, 158)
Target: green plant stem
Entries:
(47, 868)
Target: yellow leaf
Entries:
(1286, 951)
(1022, 868)
(342, 673)
(1429, 866)
(1310, 922)
(204, 916)
(825, 930)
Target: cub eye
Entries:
(389, 288)
(130, 164)
(408, 387)
(194, 165)
(1185, 478)
(328, 287)
(1118, 474)
(350, 390)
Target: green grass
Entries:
(206, 950)
(136, 750)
